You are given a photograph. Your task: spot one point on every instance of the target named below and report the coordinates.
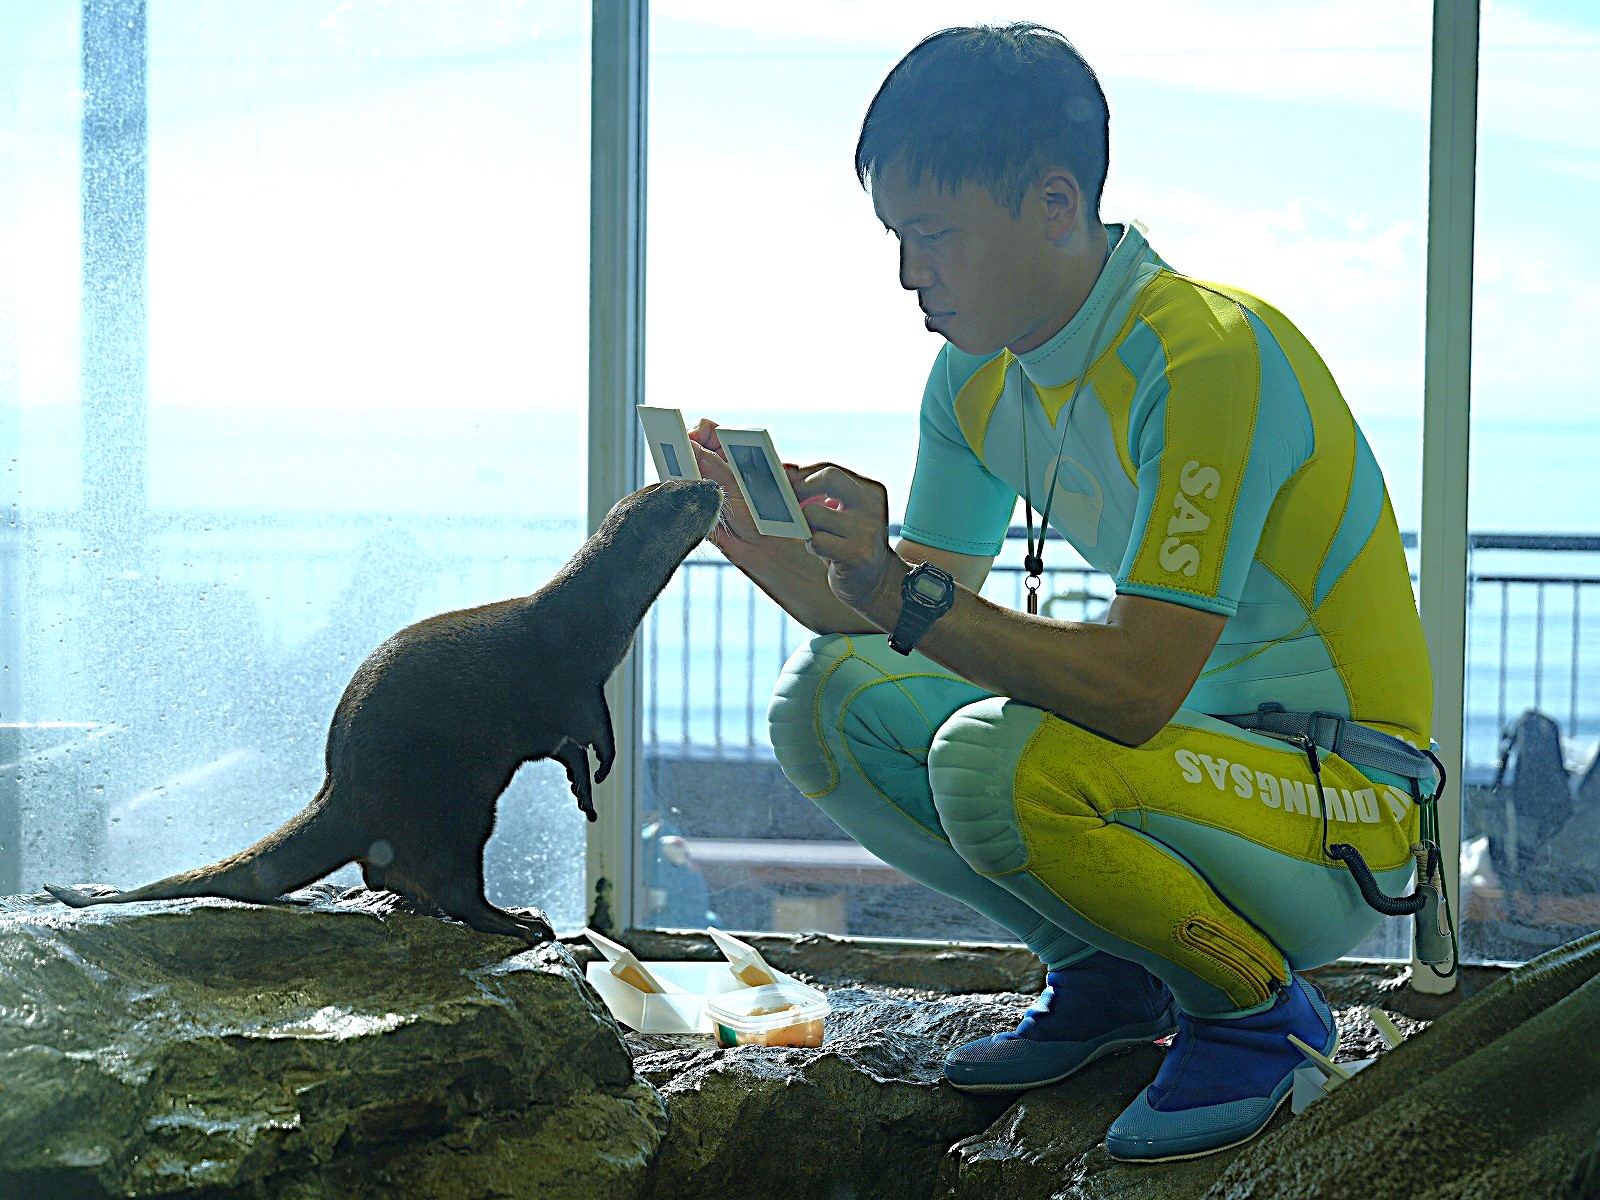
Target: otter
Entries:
(437, 719)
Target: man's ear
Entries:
(1063, 202)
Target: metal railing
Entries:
(715, 694)
(1528, 646)
(713, 644)
(1509, 593)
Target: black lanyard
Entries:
(1033, 563)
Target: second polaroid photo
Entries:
(761, 479)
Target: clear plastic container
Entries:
(779, 1014)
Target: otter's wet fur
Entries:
(437, 720)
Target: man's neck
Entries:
(1082, 263)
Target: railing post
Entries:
(619, 36)
(1446, 413)
(11, 575)
(13, 617)
(1577, 635)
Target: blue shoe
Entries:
(1223, 1080)
(1097, 1005)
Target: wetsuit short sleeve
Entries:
(955, 502)
(1214, 437)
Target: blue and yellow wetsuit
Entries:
(1209, 461)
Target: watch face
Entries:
(930, 588)
(926, 594)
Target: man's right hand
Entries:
(736, 525)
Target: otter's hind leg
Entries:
(462, 897)
(469, 906)
(440, 869)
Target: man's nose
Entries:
(915, 274)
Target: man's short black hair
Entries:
(990, 104)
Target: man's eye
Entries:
(929, 238)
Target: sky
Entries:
(368, 225)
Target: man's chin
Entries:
(969, 345)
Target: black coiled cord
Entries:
(1378, 900)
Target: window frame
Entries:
(621, 51)
(1446, 410)
(619, 41)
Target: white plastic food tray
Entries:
(680, 1011)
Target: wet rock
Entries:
(1498, 1098)
(333, 1049)
(1050, 1142)
(865, 1115)
(949, 969)
(342, 1049)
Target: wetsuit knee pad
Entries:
(972, 768)
(793, 714)
(849, 709)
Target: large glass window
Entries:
(332, 323)
(1531, 833)
(1279, 148)
(291, 315)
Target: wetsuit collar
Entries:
(1060, 359)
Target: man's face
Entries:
(980, 274)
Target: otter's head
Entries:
(661, 523)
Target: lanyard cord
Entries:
(1033, 563)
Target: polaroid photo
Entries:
(766, 488)
(668, 440)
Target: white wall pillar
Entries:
(619, 54)
(1446, 415)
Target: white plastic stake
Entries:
(1321, 1060)
(1387, 1030)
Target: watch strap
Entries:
(917, 612)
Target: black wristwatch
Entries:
(926, 594)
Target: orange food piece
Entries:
(805, 1033)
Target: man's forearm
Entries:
(797, 581)
(1121, 678)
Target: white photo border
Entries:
(793, 523)
(664, 426)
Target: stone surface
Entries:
(1049, 1143)
(1046, 1143)
(871, 1101)
(336, 1049)
(340, 1048)
(1498, 1098)
(954, 969)
(866, 1115)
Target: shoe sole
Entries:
(1187, 1154)
(1097, 1052)
(1259, 1130)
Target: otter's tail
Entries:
(301, 850)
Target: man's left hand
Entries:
(849, 519)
